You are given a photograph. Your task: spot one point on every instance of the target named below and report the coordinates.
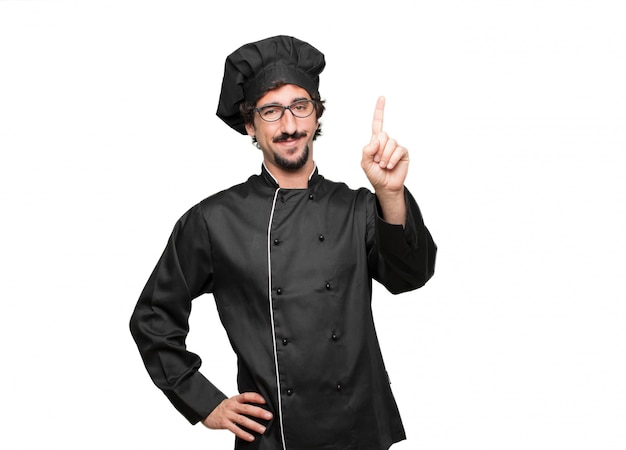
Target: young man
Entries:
(289, 258)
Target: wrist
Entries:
(390, 194)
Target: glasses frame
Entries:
(286, 107)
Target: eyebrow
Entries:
(297, 99)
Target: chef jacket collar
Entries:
(267, 176)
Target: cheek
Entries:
(263, 134)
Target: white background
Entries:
(514, 113)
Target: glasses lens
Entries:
(271, 113)
(302, 108)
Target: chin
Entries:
(294, 163)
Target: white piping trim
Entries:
(314, 168)
(273, 178)
(271, 303)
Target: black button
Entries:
(321, 237)
(339, 387)
(289, 391)
(311, 197)
(328, 286)
(285, 341)
(276, 242)
(279, 291)
(334, 337)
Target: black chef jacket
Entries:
(290, 271)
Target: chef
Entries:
(289, 258)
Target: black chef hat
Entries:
(250, 70)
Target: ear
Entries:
(250, 129)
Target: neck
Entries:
(296, 179)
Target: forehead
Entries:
(284, 95)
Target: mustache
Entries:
(285, 136)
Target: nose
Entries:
(288, 123)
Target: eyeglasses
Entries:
(300, 109)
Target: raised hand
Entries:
(385, 163)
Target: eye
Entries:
(270, 110)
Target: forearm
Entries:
(172, 368)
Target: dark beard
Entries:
(292, 165)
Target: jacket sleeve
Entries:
(160, 322)
(402, 258)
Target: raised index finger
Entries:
(377, 123)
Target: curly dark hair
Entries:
(247, 108)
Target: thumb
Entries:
(372, 147)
